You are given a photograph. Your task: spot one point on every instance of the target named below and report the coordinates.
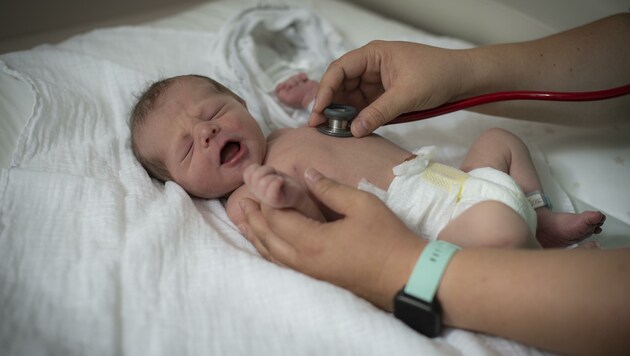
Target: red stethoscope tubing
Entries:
(511, 95)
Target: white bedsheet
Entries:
(96, 258)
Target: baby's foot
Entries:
(564, 229)
(297, 91)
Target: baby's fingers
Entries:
(255, 172)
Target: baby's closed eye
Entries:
(215, 113)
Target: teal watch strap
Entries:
(425, 278)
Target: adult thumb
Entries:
(336, 196)
(384, 109)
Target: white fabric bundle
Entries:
(263, 46)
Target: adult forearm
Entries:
(568, 301)
(592, 57)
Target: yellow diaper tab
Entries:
(445, 177)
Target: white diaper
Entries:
(427, 195)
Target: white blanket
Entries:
(263, 46)
(98, 259)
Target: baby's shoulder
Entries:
(292, 137)
(287, 145)
(291, 133)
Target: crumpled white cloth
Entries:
(261, 47)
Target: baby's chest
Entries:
(292, 153)
(346, 160)
(293, 160)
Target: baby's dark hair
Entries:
(145, 104)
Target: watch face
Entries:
(421, 316)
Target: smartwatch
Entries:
(415, 304)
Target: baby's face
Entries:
(205, 139)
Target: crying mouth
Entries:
(229, 150)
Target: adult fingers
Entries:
(347, 68)
(384, 109)
(253, 239)
(338, 197)
(246, 231)
(256, 230)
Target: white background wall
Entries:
(25, 23)
(493, 21)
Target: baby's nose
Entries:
(206, 132)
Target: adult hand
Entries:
(369, 251)
(385, 79)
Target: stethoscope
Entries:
(339, 119)
(340, 116)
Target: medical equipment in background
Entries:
(340, 116)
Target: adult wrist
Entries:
(480, 72)
(399, 267)
(416, 304)
(470, 74)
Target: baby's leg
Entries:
(278, 190)
(298, 91)
(488, 224)
(505, 152)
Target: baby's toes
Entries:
(294, 81)
(595, 217)
(282, 87)
(602, 220)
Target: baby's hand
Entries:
(274, 188)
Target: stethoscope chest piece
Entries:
(339, 119)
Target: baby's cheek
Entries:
(198, 187)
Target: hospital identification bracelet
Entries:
(427, 274)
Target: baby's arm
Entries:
(276, 189)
